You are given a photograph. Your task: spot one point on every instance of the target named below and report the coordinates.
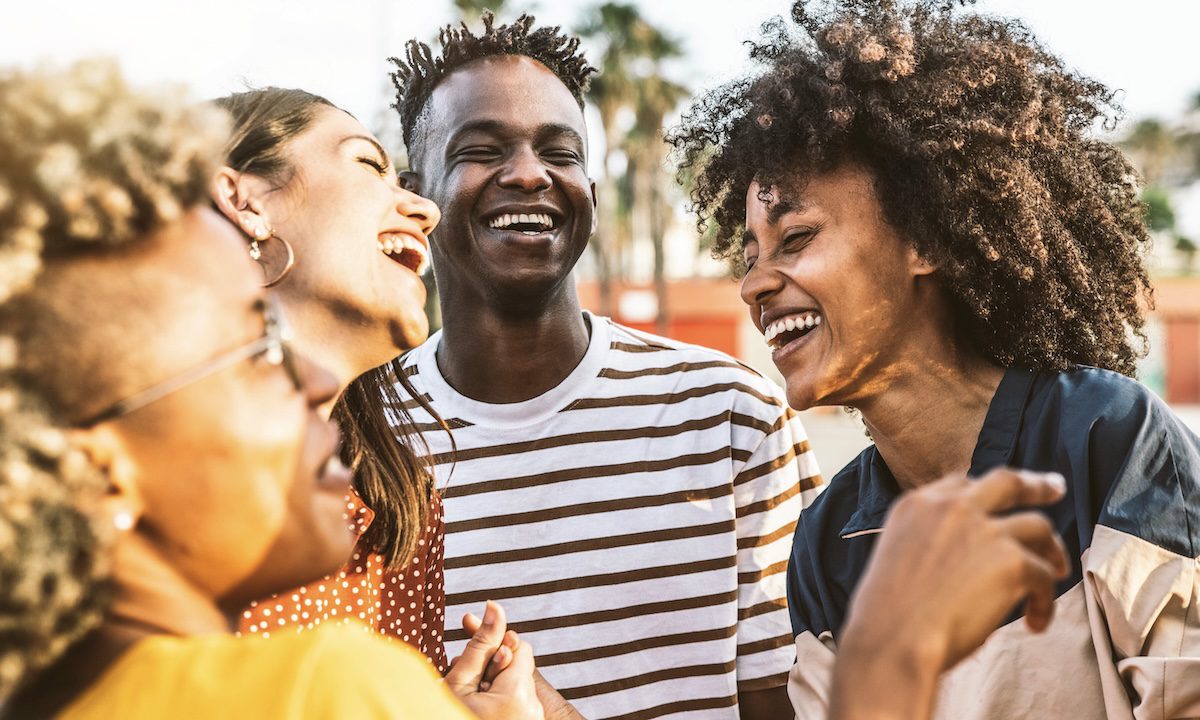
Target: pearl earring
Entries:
(123, 521)
(261, 233)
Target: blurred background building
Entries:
(648, 266)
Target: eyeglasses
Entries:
(274, 347)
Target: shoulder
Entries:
(1108, 412)
(332, 671)
(1101, 393)
(336, 669)
(1129, 454)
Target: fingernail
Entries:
(489, 613)
(1056, 481)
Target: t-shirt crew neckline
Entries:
(452, 404)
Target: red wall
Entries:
(1183, 359)
(718, 333)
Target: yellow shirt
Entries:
(335, 671)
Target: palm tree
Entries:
(631, 82)
(657, 97)
(469, 10)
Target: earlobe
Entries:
(106, 451)
(918, 265)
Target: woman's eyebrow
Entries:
(369, 139)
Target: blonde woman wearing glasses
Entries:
(163, 459)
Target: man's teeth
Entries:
(394, 244)
(791, 322)
(505, 221)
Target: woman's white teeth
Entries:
(799, 321)
(394, 244)
(505, 221)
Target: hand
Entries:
(497, 658)
(555, 705)
(947, 570)
(501, 658)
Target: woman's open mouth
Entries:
(406, 250)
(790, 328)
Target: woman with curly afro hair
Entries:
(931, 235)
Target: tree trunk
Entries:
(658, 231)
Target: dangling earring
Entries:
(262, 234)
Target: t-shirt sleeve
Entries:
(777, 481)
(356, 674)
(1141, 570)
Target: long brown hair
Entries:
(380, 440)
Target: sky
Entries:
(339, 49)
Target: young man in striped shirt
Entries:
(631, 500)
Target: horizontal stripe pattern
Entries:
(635, 522)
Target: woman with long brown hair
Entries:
(343, 245)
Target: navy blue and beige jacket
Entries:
(1125, 641)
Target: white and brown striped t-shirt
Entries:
(635, 521)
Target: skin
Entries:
(949, 568)
(952, 562)
(255, 511)
(505, 135)
(354, 307)
(258, 506)
(885, 344)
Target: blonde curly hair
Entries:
(86, 164)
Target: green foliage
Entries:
(1160, 215)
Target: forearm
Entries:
(554, 704)
(882, 681)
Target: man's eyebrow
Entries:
(495, 127)
(747, 238)
(560, 129)
(371, 140)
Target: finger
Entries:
(468, 671)
(471, 623)
(1039, 580)
(1004, 489)
(500, 661)
(1034, 531)
(517, 678)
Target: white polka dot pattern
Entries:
(407, 604)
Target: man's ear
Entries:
(107, 451)
(410, 181)
(595, 201)
(238, 196)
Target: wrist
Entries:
(885, 678)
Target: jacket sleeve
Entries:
(1141, 578)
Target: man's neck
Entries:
(926, 423)
(505, 357)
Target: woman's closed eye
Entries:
(380, 166)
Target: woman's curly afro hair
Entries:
(979, 143)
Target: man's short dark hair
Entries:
(419, 72)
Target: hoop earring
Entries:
(262, 235)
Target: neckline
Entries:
(453, 404)
(995, 445)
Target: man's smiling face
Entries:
(504, 156)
